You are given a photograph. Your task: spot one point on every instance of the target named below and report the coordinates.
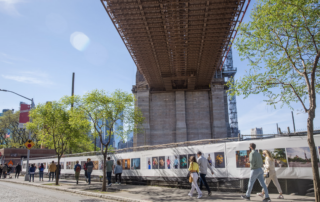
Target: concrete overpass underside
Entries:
(178, 46)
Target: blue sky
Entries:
(42, 42)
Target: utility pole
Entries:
(277, 129)
(72, 94)
(294, 125)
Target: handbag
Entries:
(266, 175)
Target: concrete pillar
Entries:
(218, 111)
(143, 102)
(181, 126)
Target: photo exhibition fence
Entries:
(228, 160)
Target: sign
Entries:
(10, 163)
(24, 115)
(29, 144)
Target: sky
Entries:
(43, 42)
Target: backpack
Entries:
(78, 168)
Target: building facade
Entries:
(256, 132)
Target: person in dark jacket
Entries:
(85, 171)
(41, 169)
(5, 170)
(18, 170)
(89, 167)
(1, 170)
(32, 170)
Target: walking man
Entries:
(89, 167)
(52, 170)
(18, 170)
(256, 173)
(109, 165)
(77, 169)
(5, 170)
(203, 165)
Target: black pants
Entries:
(119, 174)
(17, 174)
(203, 181)
(0, 174)
(4, 174)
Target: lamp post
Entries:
(26, 178)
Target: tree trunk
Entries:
(314, 157)
(104, 182)
(58, 172)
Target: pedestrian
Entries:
(32, 170)
(1, 166)
(194, 170)
(110, 167)
(58, 171)
(85, 170)
(18, 170)
(118, 171)
(256, 173)
(52, 169)
(5, 170)
(77, 169)
(269, 167)
(89, 167)
(41, 169)
(203, 165)
(9, 172)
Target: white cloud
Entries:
(28, 79)
(9, 7)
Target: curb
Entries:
(85, 193)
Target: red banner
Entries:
(24, 115)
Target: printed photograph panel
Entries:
(176, 162)
(149, 160)
(169, 162)
(279, 155)
(183, 161)
(299, 157)
(162, 162)
(210, 159)
(125, 164)
(155, 163)
(242, 159)
(219, 160)
(135, 164)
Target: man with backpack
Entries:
(89, 167)
(77, 169)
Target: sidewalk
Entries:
(135, 193)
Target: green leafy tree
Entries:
(282, 46)
(52, 123)
(104, 110)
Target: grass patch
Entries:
(52, 184)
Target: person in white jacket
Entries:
(269, 166)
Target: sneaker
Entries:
(190, 195)
(280, 197)
(266, 200)
(245, 197)
(209, 193)
(199, 196)
(110, 184)
(260, 194)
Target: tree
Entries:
(104, 111)
(9, 122)
(52, 122)
(282, 46)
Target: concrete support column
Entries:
(143, 102)
(181, 126)
(219, 126)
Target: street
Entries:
(21, 193)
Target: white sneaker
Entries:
(260, 194)
(190, 195)
(199, 196)
(280, 197)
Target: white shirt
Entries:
(269, 164)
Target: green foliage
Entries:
(51, 122)
(282, 46)
(10, 122)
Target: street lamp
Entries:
(26, 178)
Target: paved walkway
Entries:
(135, 193)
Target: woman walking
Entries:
(118, 171)
(32, 170)
(194, 170)
(41, 169)
(270, 167)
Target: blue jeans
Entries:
(254, 175)
(89, 177)
(40, 175)
(31, 176)
(204, 181)
(109, 177)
